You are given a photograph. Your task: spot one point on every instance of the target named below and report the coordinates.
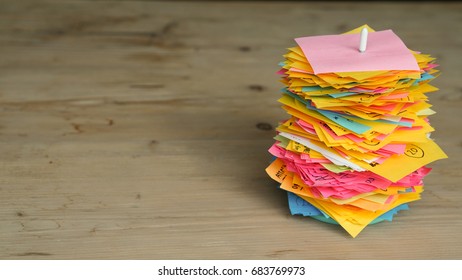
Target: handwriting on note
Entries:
(414, 151)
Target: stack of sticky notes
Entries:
(354, 149)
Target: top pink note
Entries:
(339, 53)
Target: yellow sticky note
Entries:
(398, 166)
(364, 75)
(354, 219)
(358, 30)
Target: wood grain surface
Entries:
(139, 130)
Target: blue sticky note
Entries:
(293, 95)
(425, 76)
(407, 190)
(342, 94)
(340, 119)
(400, 123)
(285, 90)
(299, 206)
(310, 89)
(346, 122)
(389, 214)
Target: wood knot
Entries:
(245, 48)
(264, 126)
(256, 87)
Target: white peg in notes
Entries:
(363, 40)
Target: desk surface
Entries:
(129, 130)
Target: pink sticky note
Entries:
(277, 151)
(339, 53)
(395, 148)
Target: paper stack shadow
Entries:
(354, 149)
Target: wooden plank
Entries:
(129, 130)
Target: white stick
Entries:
(363, 40)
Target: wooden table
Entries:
(139, 130)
